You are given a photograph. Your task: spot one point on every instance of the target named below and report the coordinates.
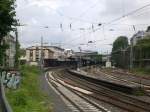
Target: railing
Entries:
(5, 107)
(9, 79)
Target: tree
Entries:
(148, 29)
(118, 51)
(120, 43)
(22, 52)
(7, 23)
(142, 50)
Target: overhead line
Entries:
(84, 12)
(130, 13)
(126, 15)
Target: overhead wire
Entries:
(86, 10)
(125, 15)
(110, 22)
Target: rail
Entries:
(5, 106)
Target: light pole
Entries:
(79, 64)
(131, 49)
(42, 54)
(131, 56)
(17, 47)
(41, 60)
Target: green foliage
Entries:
(118, 56)
(141, 71)
(29, 97)
(7, 17)
(17, 56)
(20, 98)
(120, 43)
(22, 52)
(142, 49)
(97, 57)
(2, 53)
(144, 42)
(7, 22)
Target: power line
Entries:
(130, 13)
(126, 15)
(66, 16)
(85, 11)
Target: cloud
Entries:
(81, 14)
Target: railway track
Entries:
(75, 101)
(115, 98)
(121, 79)
(144, 82)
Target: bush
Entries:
(28, 97)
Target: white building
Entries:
(69, 53)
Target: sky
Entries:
(73, 23)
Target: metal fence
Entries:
(122, 59)
(4, 104)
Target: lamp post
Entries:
(79, 63)
(41, 59)
(17, 46)
(131, 56)
(42, 54)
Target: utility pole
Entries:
(79, 64)
(17, 48)
(131, 55)
(131, 50)
(41, 61)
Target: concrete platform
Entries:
(109, 82)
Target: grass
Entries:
(141, 71)
(28, 97)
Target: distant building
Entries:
(138, 36)
(84, 54)
(11, 51)
(106, 57)
(33, 54)
(68, 53)
(147, 33)
(58, 53)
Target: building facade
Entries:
(34, 54)
(140, 35)
(136, 37)
(11, 51)
(68, 53)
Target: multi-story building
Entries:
(33, 54)
(11, 51)
(136, 37)
(140, 35)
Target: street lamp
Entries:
(17, 45)
(42, 53)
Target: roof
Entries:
(52, 48)
(86, 53)
(138, 34)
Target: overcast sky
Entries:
(44, 18)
